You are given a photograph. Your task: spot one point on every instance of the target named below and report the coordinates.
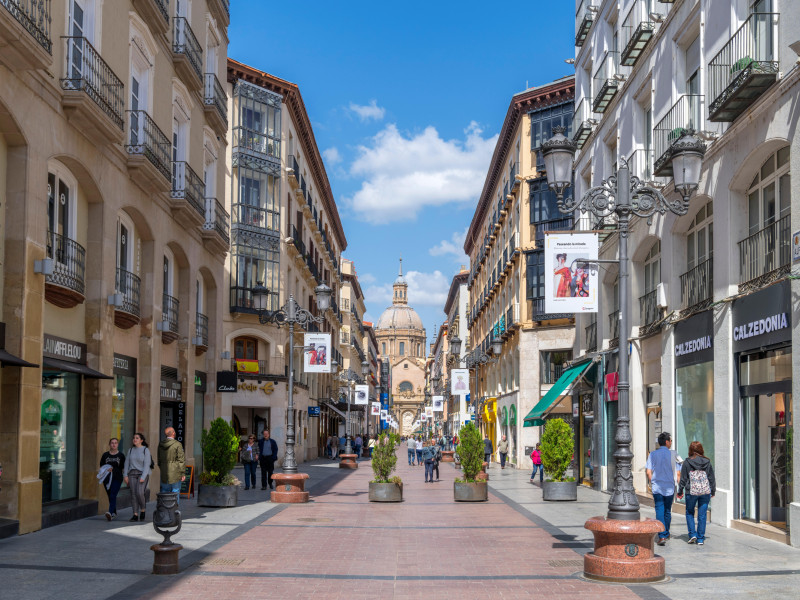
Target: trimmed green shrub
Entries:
(220, 448)
(557, 448)
(470, 449)
(384, 459)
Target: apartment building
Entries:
(455, 308)
(711, 341)
(506, 279)
(354, 343)
(112, 292)
(285, 233)
(438, 381)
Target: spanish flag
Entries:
(246, 366)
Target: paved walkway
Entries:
(341, 546)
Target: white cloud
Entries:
(366, 278)
(369, 111)
(454, 246)
(424, 289)
(404, 174)
(332, 156)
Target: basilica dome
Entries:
(399, 317)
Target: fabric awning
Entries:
(560, 388)
(333, 407)
(70, 367)
(7, 358)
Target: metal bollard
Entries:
(167, 515)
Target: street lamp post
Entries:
(623, 196)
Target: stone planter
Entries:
(217, 496)
(560, 491)
(385, 492)
(470, 492)
(447, 456)
(348, 461)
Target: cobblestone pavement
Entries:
(341, 546)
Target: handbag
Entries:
(698, 483)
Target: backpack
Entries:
(698, 483)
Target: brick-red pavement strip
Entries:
(342, 546)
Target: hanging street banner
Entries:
(459, 381)
(572, 288)
(361, 395)
(316, 356)
(384, 415)
(438, 404)
(375, 409)
(428, 412)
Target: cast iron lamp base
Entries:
(623, 551)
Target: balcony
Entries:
(697, 286)
(745, 67)
(169, 318)
(582, 122)
(263, 369)
(129, 286)
(221, 9)
(563, 224)
(187, 54)
(685, 114)
(297, 243)
(613, 329)
(649, 312)
(637, 30)
(251, 141)
(155, 13)
(25, 34)
(293, 173)
(242, 300)
(766, 255)
(512, 317)
(92, 96)
(606, 82)
(215, 104)
(65, 287)
(187, 195)
(254, 218)
(216, 229)
(584, 17)
(538, 312)
(148, 153)
(201, 334)
(591, 337)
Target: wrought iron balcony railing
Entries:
(613, 325)
(245, 139)
(637, 30)
(591, 337)
(184, 42)
(163, 8)
(584, 17)
(242, 299)
(254, 217)
(697, 284)
(649, 312)
(214, 95)
(201, 329)
(582, 122)
(765, 252)
(563, 224)
(34, 16)
(86, 71)
(606, 82)
(169, 312)
(69, 262)
(685, 114)
(263, 369)
(145, 138)
(187, 185)
(745, 67)
(129, 285)
(538, 312)
(217, 219)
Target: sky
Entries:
(406, 100)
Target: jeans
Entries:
(435, 468)
(267, 466)
(539, 468)
(250, 474)
(487, 458)
(503, 459)
(702, 509)
(411, 454)
(174, 488)
(112, 492)
(428, 470)
(357, 450)
(664, 512)
(419, 456)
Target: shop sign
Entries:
(313, 411)
(796, 247)
(763, 318)
(575, 409)
(124, 365)
(170, 391)
(56, 347)
(587, 405)
(694, 340)
(180, 421)
(226, 381)
(200, 381)
(612, 391)
(267, 387)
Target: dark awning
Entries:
(14, 361)
(69, 367)
(559, 389)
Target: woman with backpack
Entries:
(697, 478)
(536, 458)
(137, 475)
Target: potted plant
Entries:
(220, 446)
(385, 488)
(557, 448)
(472, 487)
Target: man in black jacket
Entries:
(267, 453)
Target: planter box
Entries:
(217, 496)
(385, 492)
(470, 492)
(560, 491)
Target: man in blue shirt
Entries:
(661, 475)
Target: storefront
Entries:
(762, 331)
(172, 407)
(610, 412)
(123, 401)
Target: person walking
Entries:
(358, 443)
(660, 471)
(437, 457)
(419, 450)
(267, 454)
(502, 448)
(249, 456)
(412, 451)
(488, 450)
(371, 444)
(536, 459)
(171, 463)
(334, 447)
(137, 475)
(697, 478)
(113, 481)
(428, 454)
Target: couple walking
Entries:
(261, 454)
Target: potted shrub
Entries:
(220, 447)
(385, 488)
(557, 448)
(472, 487)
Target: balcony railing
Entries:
(201, 329)
(242, 300)
(649, 312)
(214, 95)
(129, 285)
(538, 312)
(184, 42)
(187, 185)
(591, 337)
(583, 21)
(582, 122)
(563, 224)
(34, 16)
(297, 239)
(263, 369)
(69, 262)
(254, 217)
(169, 313)
(146, 139)
(766, 251)
(685, 114)
(613, 325)
(697, 284)
(217, 219)
(606, 82)
(86, 71)
(163, 8)
(260, 142)
(637, 30)
(745, 67)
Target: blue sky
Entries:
(406, 100)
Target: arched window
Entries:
(405, 386)
(652, 268)
(769, 196)
(245, 348)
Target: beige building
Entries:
(354, 338)
(114, 247)
(456, 309)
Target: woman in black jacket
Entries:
(697, 478)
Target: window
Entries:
(543, 202)
(543, 121)
(700, 238)
(652, 268)
(245, 348)
(257, 120)
(60, 205)
(168, 275)
(402, 348)
(251, 262)
(258, 202)
(552, 362)
(769, 196)
(405, 365)
(383, 348)
(534, 274)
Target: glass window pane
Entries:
(768, 199)
(786, 195)
(754, 222)
(690, 255)
(783, 156)
(768, 167)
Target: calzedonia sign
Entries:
(694, 340)
(763, 318)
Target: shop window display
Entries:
(58, 438)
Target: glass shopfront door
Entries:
(58, 438)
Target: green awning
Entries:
(560, 387)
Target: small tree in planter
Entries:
(470, 450)
(385, 488)
(557, 448)
(220, 446)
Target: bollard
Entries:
(167, 515)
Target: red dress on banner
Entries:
(562, 291)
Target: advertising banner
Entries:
(384, 415)
(438, 404)
(428, 412)
(361, 395)
(572, 288)
(375, 408)
(459, 381)
(316, 357)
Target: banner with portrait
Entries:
(428, 412)
(438, 404)
(316, 356)
(459, 381)
(361, 395)
(384, 415)
(570, 275)
(375, 409)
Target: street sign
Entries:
(313, 411)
